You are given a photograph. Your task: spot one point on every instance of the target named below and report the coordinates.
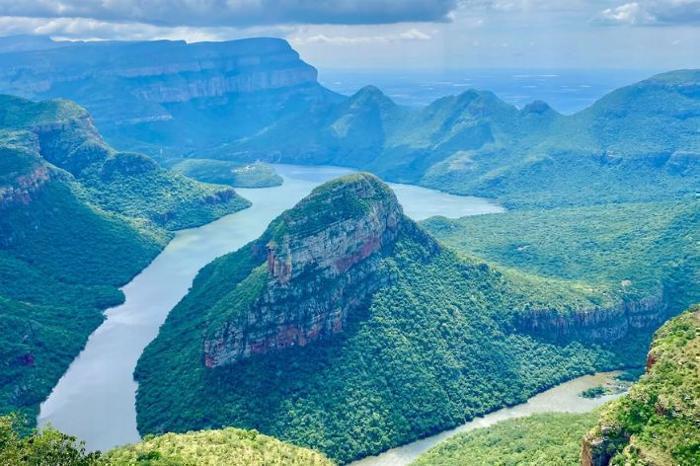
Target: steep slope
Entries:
(61, 261)
(77, 221)
(657, 422)
(170, 97)
(641, 135)
(346, 328)
(62, 133)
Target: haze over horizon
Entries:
(409, 35)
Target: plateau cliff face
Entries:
(603, 324)
(321, 263)
(657, 422)
(161, 87)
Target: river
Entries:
(95, 398)
(562, 398)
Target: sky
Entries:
(396, 34)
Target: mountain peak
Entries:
(537, 107)
(371, 95)
(315, 265)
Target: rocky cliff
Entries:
(315, 265)
(128, 86)
(161, 71)
(601, 324)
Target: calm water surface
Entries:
(94, 400)
(562, 398)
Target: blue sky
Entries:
(408, 34)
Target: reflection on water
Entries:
(562, 398)
(94, 400)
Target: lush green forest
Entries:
(77, 221)
(631, 250)
(434, 347)
(657, 422)
(230, 446)
(253, 175)
(234, 447)
(552, 439)
(49, 446)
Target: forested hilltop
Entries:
(643, 255)
(276, 336)
(77, 220)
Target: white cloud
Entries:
(93, 29)
(652, 13)
(412, 34)
(630, 13)
(241, 13)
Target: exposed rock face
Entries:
(317, 268)
(153, 72)
(25, 186)
(599, 324)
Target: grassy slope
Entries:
(657, 422)
(553, 439)
(435, 348)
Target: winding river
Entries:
(562, 398)
(94, 400)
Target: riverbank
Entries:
(565, 397)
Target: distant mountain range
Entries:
(256, 99)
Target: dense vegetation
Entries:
(440, 336)
(643, 135)
(542, 439)
(46, 447)
(632, 250)
(77, 221)
(253, 175)
(232, 447)
(657, 422)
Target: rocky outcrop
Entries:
(604, 324)
(319, 263)
(24, 187)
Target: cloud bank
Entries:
(238, 13)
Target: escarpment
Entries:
(603, 324)
(314, 266)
